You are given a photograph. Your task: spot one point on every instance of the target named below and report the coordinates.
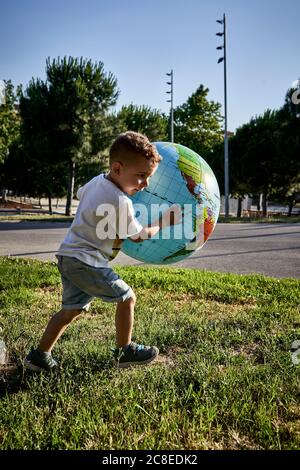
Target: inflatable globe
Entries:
(183, 178)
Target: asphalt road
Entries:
(270, 249)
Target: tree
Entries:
(197, 122)
(9, 119)
(9, 123)
(264, 155)
(260, 158)
(288, 186)
(64, 123)
(145, 120)
(80, 93)
(32, 167)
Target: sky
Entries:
(139, 41)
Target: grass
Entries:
(224, 379)
(278, 219)
(36, 218)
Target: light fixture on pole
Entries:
(226, 157)
(170, 74)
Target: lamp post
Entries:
(170, 74)
(226, 158)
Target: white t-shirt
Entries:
(104, 217)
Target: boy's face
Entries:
(132, 177)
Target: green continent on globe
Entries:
(192, 170)
(188, 163)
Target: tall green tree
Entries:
(257, 155)
(288, 185)
(9, 118)
(9, 123)
(198, 122)
(144, 119)
(34, 155)
(80, 94)
(264, 158)
(273, 155)
(264, 155)
(65, 117)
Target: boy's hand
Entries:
(172, 216)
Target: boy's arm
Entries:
(172, 216)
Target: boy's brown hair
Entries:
(129, 145)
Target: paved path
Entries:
(271, 249)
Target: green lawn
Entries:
(224, 379)
(36, 218)
(271, 219)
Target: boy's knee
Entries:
(71, 315)
(132, 298)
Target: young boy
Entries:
(87, 248)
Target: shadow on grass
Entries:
(12, 379)
(15, 378)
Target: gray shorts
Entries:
(82, 283)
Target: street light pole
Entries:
(226, 157)
(172, 109)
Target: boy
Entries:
(84, 253)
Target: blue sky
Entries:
(140, 40)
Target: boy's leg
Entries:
(40, 358)
(55, 328)
(128, 353)
(124, 321)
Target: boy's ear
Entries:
(116, 167)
